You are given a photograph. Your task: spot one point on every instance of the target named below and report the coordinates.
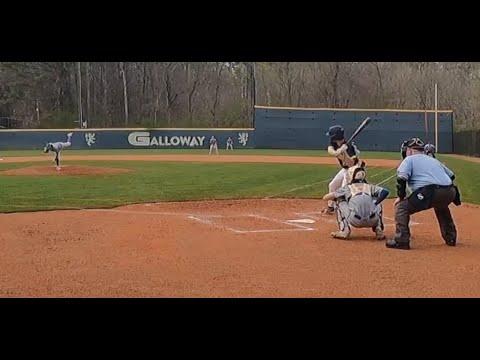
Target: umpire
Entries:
(431, 186)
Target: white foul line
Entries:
(385, 180)
(317, 183)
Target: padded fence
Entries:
(303, 128)
(127, 138)
(467, 142)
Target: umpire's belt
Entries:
(442, 186)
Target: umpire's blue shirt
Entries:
(420, 170)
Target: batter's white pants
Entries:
(213, 147)
(340, 180)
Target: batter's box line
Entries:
(309, 215)
(332, 221)
(204, 220)
(304, 228)
(138, 212)
(411, 221)
(211, 223)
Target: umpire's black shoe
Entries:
(394, 244)
(451, 242)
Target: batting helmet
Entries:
(336, 132)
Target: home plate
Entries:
(303, 221)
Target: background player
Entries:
(347, 156)
(229, 143)
(429, 150)
(57, 147)
(213, 145)
(358, 204)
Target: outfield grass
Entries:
(365, 155)
(168, 181)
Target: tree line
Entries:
(222, 94)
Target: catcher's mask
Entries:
(336, 132)
(357, 174)
(413, 143)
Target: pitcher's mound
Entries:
(72, 170)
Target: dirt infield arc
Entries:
(69, 170)
(244, 248)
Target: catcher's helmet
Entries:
(336, 132)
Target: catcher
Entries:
(347, 156)
(358, 204)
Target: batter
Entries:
(347, 156)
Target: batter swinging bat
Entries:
(362, 126)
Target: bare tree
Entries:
(125, 91)
(218, 71)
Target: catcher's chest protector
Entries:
(357, 188)
(363, 211)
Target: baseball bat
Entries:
(362, 126)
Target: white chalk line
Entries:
(202, 219)
(295, 189)
(320, 182)
(411, 221)
(387, 179)
(328, 219)
(139, 212)
(302, 221)
(306, 228)
(211, 223)
(205, 220)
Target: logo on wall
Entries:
(90, 139)
(143, 138)
(243, 138)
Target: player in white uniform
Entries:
(57, 147)
(429, 150)
(213, 145)
(229, 143)
(347, 156)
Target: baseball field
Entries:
(247, 223)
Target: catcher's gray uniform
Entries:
(356, 206)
